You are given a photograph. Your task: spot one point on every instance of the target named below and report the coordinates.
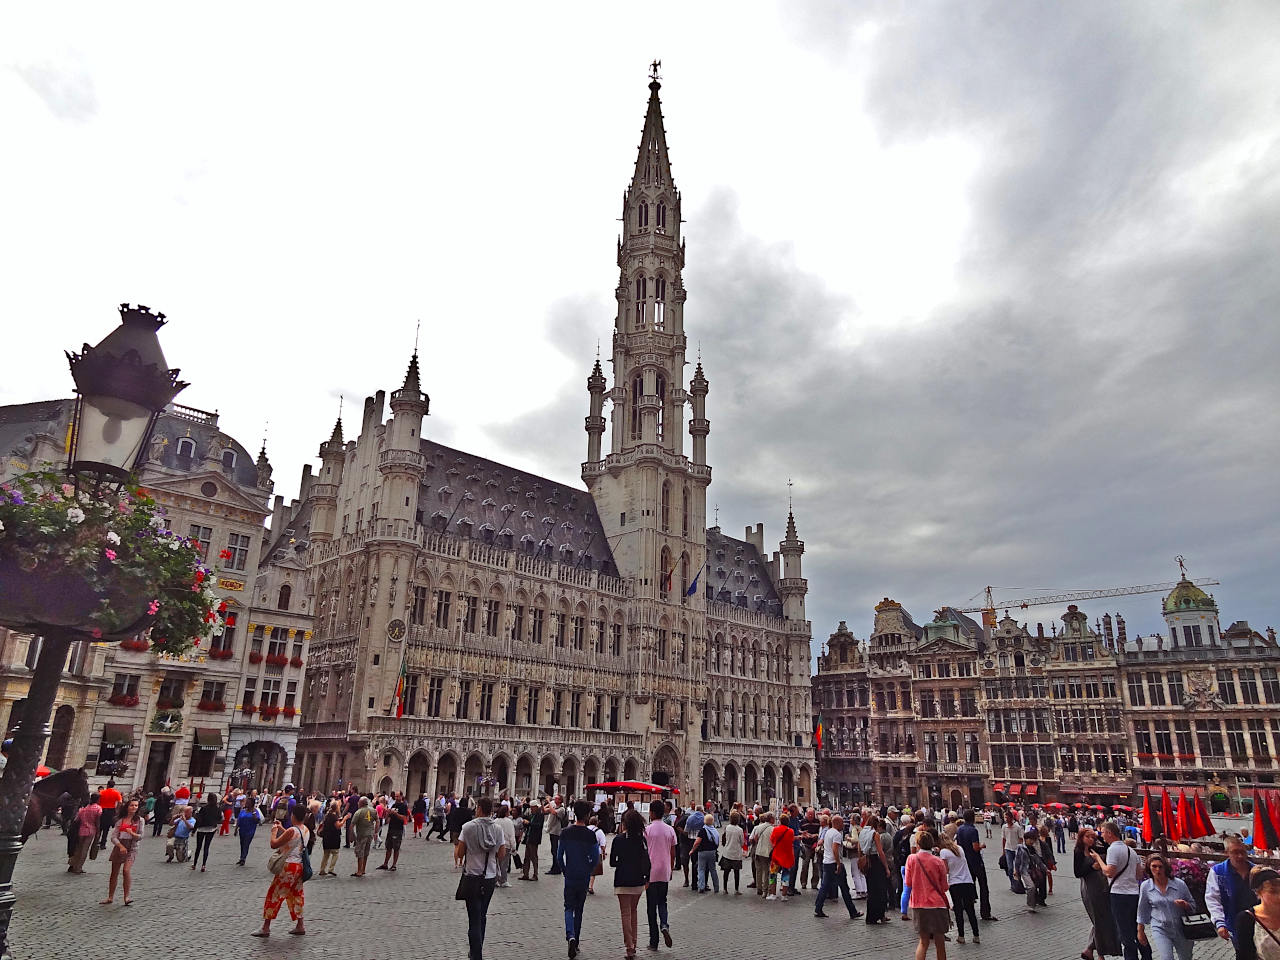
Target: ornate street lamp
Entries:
(122, 385)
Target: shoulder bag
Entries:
(946, 894)
(306, 859)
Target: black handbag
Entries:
(469, 885)
(1198, 926)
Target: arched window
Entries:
(666, 505)
(642, 215)
(662, 216)
(662, 406)
(659, 302)
(684, 511)
(664, 574)
(637, 390)
(642, 292)
(286, 593)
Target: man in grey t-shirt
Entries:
(481, 845)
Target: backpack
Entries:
(902, 846)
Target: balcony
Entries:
(959, 769)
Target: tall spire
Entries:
(653, 166)
(410, 393)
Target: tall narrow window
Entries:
(286, 593)
(642, 293)
(664, 575)
(662, 216)
(642, 215)
(666, 505)
(637, 391)
(684, 511)
(659, 302)
(662, 406)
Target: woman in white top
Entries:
(286, 886)
(594, 823)
(964, 893)
(732, 842)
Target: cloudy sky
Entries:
(995, 283)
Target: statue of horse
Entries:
(45, 794)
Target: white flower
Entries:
(157, 521)
(113, 538)
(173, 544)
(75, 515)
(1, 526)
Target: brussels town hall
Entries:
(481, 629)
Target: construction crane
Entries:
(988, 610)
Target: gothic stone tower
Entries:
(650, 496)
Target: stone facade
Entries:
(132, 715)
(548, 636)
(951, 713)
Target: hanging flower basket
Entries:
(107, 567)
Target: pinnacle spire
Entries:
(791, 526)
(653, 166)
(412, 383)
(336, 436)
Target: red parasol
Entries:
(1203, 820)
(1056, 805)
(1185, 825)
(1273, 810)
(1168, 822)
(1121, 806)
(43, 771)
(1148, 830)
(630, 786)
(1098, 806)
(1264, 831)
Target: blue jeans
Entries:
(834, 879)
(1169, 947)
(655, 902)
(707, 868)
(575, 898)
(906, 893)
(1124, 907)
(477, 918)
(246, 838)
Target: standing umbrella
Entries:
(1148, 833)
(1205, 821)
(1168, 822)
(1264, 832)
(1186, 826)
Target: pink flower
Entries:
(68, 490)
(96, 633)
(154, 607)
(111, 554)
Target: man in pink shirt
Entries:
(661, 839)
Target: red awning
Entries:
(999, 788)
(1015, 789)
(630, 786)
(1033, 789)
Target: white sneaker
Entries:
(771, 897)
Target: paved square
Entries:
(411, 914)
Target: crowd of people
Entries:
(921, 866)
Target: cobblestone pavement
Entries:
(411, 914)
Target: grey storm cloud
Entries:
(1101, 397)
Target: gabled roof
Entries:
(736, 573)
(484, 500)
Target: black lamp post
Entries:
(122, 385)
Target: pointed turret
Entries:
(792, 586)
(595, 419)
(410, 391)
(653, 166)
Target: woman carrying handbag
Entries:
(289, 865)
(125, 838)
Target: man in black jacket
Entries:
(576, 855)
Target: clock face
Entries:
(396, 629)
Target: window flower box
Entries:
(212, 706)
(295, 661)
(1185, 756)
(122, 700)
(170, 703)
(255, 658)
(268, 711)
(277, 659)
(221, 654)
(249, 708)
(135, 644)
(290, 711)
(1146, 756)
(1164, 756)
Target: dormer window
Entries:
(228, 460)
(186, 447)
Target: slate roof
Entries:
(736, 573)
(20, 422)
(478, 498)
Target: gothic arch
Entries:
(611, 769)
(666, 760)
(418, 773)
(524, 784)
(630, 769)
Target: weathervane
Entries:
(653, 70)
(416, 330)
(790, 484)
(717, 516)
(1182, 566)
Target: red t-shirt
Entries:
(109, 798)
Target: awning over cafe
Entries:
(1032, 789)
(999, 788)
(208, 738)
(118, 734)
(1015, 789)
